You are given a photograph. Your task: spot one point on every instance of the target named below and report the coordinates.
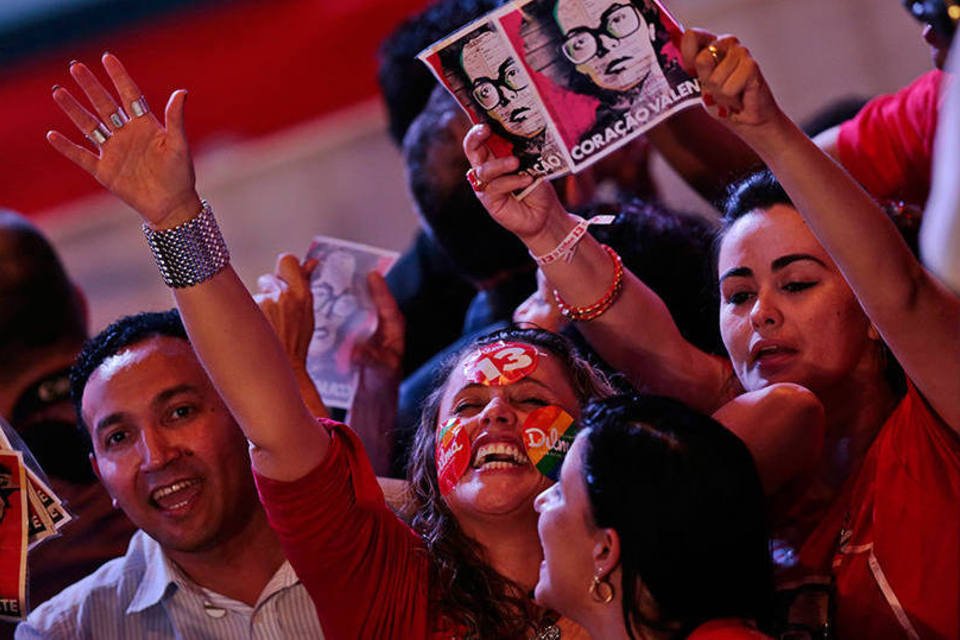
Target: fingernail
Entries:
(708, 99)
(54, 88)
(722, 112)
(104, 54)
(72, 62)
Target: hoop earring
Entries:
(601, 590)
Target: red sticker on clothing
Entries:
(548, 434)
(500, 363)
(452, 455)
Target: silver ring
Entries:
(139, 107)
(99, 135)
(119, 118)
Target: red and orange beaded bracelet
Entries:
(598, 308)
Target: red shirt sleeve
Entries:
(365, 570)
(903, 557)
(888, 145)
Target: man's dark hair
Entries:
(479, 247)
(120, 334)
(406, 82)
(39, 306)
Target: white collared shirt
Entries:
(144, 595)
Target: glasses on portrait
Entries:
(488, 92)
(327, 304)
(583, 43)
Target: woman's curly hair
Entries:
(464, 589)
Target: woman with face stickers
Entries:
(659, 510)
(465, 565)
(817, 289)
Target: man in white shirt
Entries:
(205, 563)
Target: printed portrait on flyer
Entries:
(479, 68)
(607, 70)
(344, 313)
(13, 536)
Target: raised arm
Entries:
(940, 233)
(917, 316)
(147, 164)
(636, 334)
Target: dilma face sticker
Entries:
(500, 363)
(452, 454)
(548, 434)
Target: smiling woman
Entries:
(369, 574)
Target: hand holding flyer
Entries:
(564, 83)
(344, 313)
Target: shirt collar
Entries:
(160, 577)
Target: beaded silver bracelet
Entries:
(191, 252)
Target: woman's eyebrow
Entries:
(737, 272)
(783, 261)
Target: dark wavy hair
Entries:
(120, 334)
(684, 497)
(760, 191)
(464, 588)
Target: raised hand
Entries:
(527, 218)
(144, 162)
(731, 78)
(285, 298)
(384, 349)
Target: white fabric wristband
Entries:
(568, 246)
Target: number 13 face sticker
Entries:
(500, 363)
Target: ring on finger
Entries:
(139, 107)
(119, 118)
(715, 53)
(99, 135)
(473, 178)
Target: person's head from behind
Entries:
(657, 522)
(482, 250)
(163, 443)
(486, 394)
(499, 86)
(405, 82)
(608, 41)
(786, 312)
(668, 250)
(940, 18)
(40, 308)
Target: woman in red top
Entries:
(816, 289)
(660, 510)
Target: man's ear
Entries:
(606, 552)
(94, 466)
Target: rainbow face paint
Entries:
(452, 454)
(548, 434)
(501, 363)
